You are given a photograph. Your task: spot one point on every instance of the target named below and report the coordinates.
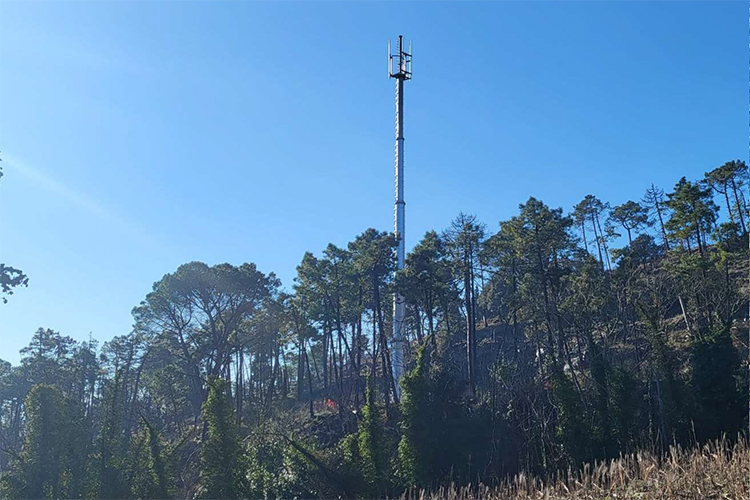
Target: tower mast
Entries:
(399, 68)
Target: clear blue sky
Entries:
(138, 136)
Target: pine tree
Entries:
(464, 239)
(222, 468)
(631, 216)
(693, 214)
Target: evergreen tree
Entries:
(150, 477)
(655, 204)
(693, 214)
(464, 238)
(631, 216)
(109, 475)
(51, 463)
(572, 429)
(222, 462)
(420, 427)
(372, 444)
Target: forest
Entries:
(559, 338)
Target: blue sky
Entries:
(138, 136)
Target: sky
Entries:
(137, 136)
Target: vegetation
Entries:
(717, 470)
(556, 341)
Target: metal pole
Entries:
(399, 309)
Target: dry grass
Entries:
(716, 471)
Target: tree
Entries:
(542, 246)
(693, 214)
(51, 462)
(222, 467)
(200, 309)
(718, 179)
(424, 281)
(46, 357)
(594, 210)
(654, 202)
(735, 175)
(110, 479)
(419, 424)
(372, 444)
(464, 239)
(631, 216)
(150, 477)
(373, 260)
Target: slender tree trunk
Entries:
(657, 206)
(389, 383)
(583, 232)
(739, 208)
(341, 365)
(596, 238)
(418, 322)
(729, 205)
(469, 333)
(238, 384)
(300, 370)
(325, 357)
(309, 382)
(272, 382)
(604, 244)
(430, 320)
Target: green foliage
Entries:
(222, 463)
(693, 212)
(572, 429)
(348, 448)
(109, 465)
(52, 460)
(274, 470)
(631, 216)
(150, 477)
(419, 424)
(373, 444)
(10, 278)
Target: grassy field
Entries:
(719, 470)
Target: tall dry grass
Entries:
(718, 470)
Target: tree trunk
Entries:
(661, 223)
(309, 382)
(596, 238)
(468, 304)
(739, 208)
(583, 232)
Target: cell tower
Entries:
(399, 68)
